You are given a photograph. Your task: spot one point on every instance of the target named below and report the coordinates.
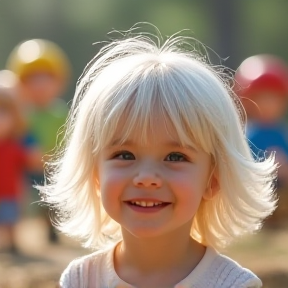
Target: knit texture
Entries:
(213, 271)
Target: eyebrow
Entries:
(172, 143)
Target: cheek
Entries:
(191, 179)
(111, 184)
(188, 186)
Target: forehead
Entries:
(156, 132)
(157, 129)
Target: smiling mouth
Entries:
(148, 204)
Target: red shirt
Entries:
(13, 162)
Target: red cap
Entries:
(262, 72)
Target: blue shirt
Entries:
(264, 137)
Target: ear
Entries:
(213, 186)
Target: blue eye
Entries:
(124, 155)
(176, 157)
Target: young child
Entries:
(263, 80)
(156, 172)
(14, 158)
(44, 72)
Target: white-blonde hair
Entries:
(130, 80)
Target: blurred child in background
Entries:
(44, 71)
(262, 84)
(15, 159)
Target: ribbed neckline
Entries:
(197, 273)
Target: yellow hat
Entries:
(38, 55)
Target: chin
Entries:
(145, 232)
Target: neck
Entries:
(175, 249)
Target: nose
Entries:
(147, 177)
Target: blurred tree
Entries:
(225, 29)
(263, 28)
(234, 29)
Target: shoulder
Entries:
(78, 272)
(229, 274)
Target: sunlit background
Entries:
(234, 29)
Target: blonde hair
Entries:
(129, 80)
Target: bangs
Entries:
(158, 96)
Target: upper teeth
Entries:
(146, 204)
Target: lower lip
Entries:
(153, 209)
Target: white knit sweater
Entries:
(213, 271)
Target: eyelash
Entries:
(183, 156)
(117, 155)
(121, 153)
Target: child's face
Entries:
(271, 107)
(41, 89)
(155, 189)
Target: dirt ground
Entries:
(40, 263)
